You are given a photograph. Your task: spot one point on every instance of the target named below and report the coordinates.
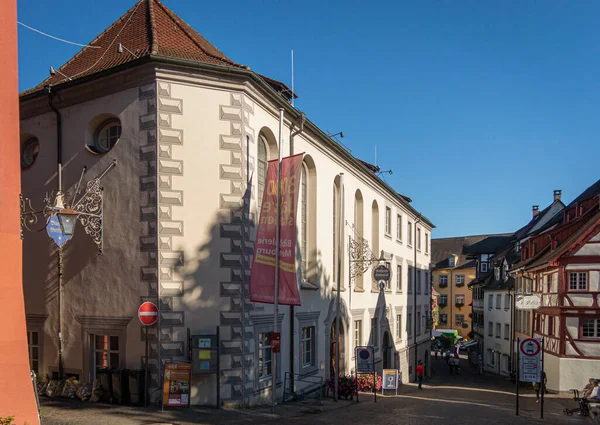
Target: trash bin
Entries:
(137, 386)
(105, 380)
(120, 386)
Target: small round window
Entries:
(29, 152)
(107, 135)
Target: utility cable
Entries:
(56, 38)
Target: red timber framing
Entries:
(560, 301)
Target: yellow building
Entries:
(451, 273)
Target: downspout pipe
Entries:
(61, 368)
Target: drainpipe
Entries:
(417, 221)
(60, 253)
(292, 316)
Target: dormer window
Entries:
(451, 261)
(497, 273)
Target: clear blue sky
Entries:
(480, 108)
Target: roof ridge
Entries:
(131, 11)
(475, 236)
(153, 44)
(185, 27)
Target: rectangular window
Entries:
(374, 331)
(419, 238)
(443, 300)
(106, 351)
(490, 329)
(443, 319)
(418, 281)
(409, 325)
(426, 243)
(308, 346)
(418, 321)
(590, 328)
(357, 333)
(388, 221)
(399, 278)
(410, 280)
(388, 283)
(460, 279)
(427, 283)
(459, 319)
(443, 280)
(34, 351)
(506, 302)
(398, 327)
(484, 267)
(498, 301)
(459, 300)
(399, 227)
(506, 331)
(491, 357)
(498, 328)
(578, 281)
(265, 356)
(409, 231)
(490, 302)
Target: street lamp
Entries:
(60, 226)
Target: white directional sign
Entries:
(530, 359)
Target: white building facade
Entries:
(181, 131)
(498, 330)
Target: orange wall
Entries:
(16, 390)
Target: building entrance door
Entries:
(332, 350)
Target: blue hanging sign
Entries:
(55, 231)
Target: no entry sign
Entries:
(148, 313)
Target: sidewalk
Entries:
(60, 411)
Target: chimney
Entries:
(557, 194)
(536, 210)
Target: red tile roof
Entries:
(148, 28)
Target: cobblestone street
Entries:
(466, 398)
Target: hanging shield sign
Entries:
(55, 231)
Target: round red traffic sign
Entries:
(148, 313)
(530, 347)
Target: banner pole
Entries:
(517, 377)
(277, 247)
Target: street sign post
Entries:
(365, 363)
(530, 353)
(148, 315)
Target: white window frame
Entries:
(595, 328)
(418, 236)
(580, 283)
(264, 349)
(443, 280)
(34, 350)
(443, 299)
(506, 331)
(498, 330)
(358, 333)
(490, 328)
(388, 221)
(409, 231)
(483, 267)
(308, 346)
(399, 327)
(399, 278)
(460, 279)
(399, 227)
(444, 319)
(490, 301)
(426, 243)
(498, 301)
(461, 297)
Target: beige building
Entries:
(451, 273)
(180, 118)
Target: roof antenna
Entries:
(293, 92)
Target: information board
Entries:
(177, 384)
(205, 354)
(390, 380)
(530, 359)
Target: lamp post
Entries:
(60, 225)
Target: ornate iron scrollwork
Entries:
(361, 257)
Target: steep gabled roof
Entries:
(442, 248)
(148, 29)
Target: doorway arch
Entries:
(333, 348)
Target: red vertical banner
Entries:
(262, 277)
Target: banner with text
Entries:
(262, 277)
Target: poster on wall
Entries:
(177, 384)
(262, 277)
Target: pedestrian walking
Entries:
(540, 386)
(455, 363)
(420, 374)
(447, 356)
(435, 352)
(480, 364)
(450, 362)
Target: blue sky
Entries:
(481, 109)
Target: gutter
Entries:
(247, 72)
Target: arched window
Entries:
(304, 220)
(307, 222)
(107, 135)
(262, 168)
(358, 224)
(375, 229)
(29, 152)
(337, 249)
